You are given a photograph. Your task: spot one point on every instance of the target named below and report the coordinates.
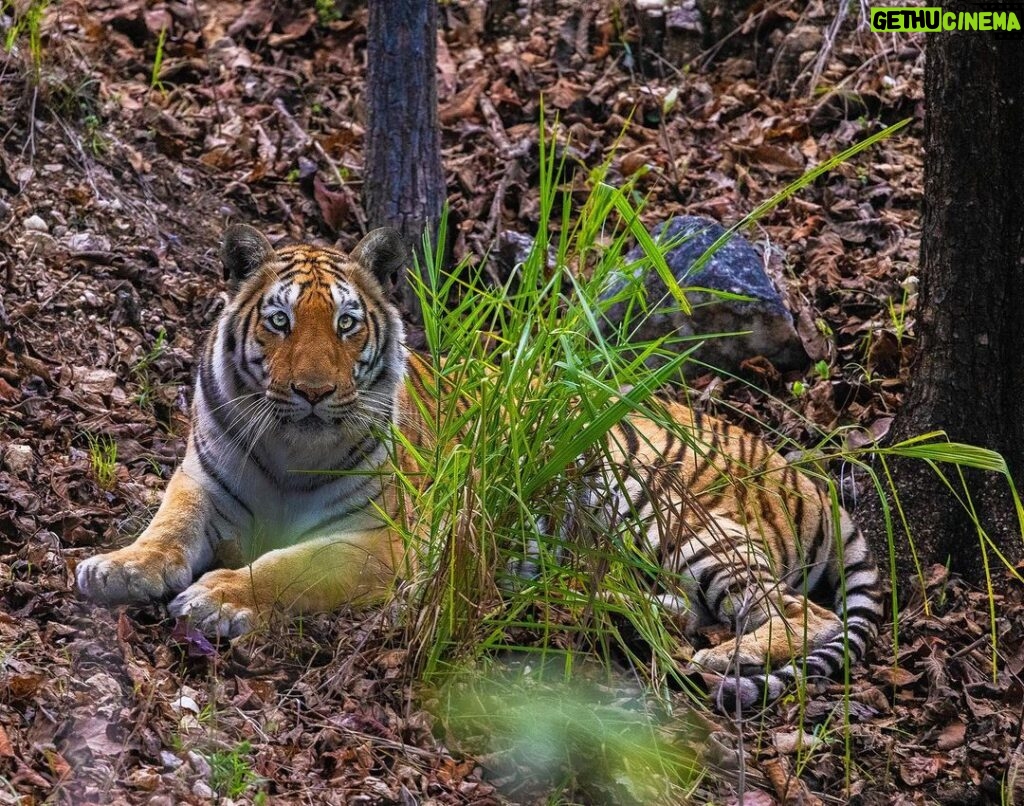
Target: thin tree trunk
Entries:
(403, 182)
(969, 376)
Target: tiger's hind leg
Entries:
(739, 585)
(796, 627)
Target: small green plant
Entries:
(944, 589)
(103, 459)
(327, 11)
(898, 314)
(822, 369)
(231, 771)
(292, 176)
(571, 738)
(76, 100)
(798, 388)
(208, 713)
(158, 62)
(26, 21)
(93, 135)
(142, 371)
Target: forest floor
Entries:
(116, 180)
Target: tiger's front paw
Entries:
(220, 603)
(727, 657)
(133, 574)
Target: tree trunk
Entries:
(969, 376)
(403, 184)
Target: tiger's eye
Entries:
(279, 320)
(346, 323)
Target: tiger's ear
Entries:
(383, 252)
(244, 250)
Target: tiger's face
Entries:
(319, 335)
(311, 328)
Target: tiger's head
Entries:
(311, 329)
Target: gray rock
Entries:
(18, 459)
(87, 242)
(35, 223)
(200, 764)
(169, 760)
(684, 33)
(736, 267)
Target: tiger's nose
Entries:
(311, 393)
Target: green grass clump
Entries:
(531, 388)
(142, 371)
(231, 771)
(103, 460)
(585, 741)
(25, 23)
(530, 383)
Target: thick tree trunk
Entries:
(969, 377)
(403, 184)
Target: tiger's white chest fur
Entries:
(293, 484)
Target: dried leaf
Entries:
(791, 742)
(916, 770)
(6, 750)
(463, 105)
(875, 432)
(334, 206)
(58, 764)
(565, 93)
(814, 342)
(294, 30)
(633, 162)
(897, 677)
(24, 686)
(8, 394)
(952, 735)
(94, 733)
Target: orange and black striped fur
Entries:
(288, 482)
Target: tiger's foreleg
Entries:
(314, 576)
(165, 557)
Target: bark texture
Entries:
(969, 375)
(403, 181)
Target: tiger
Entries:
(285, 500)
